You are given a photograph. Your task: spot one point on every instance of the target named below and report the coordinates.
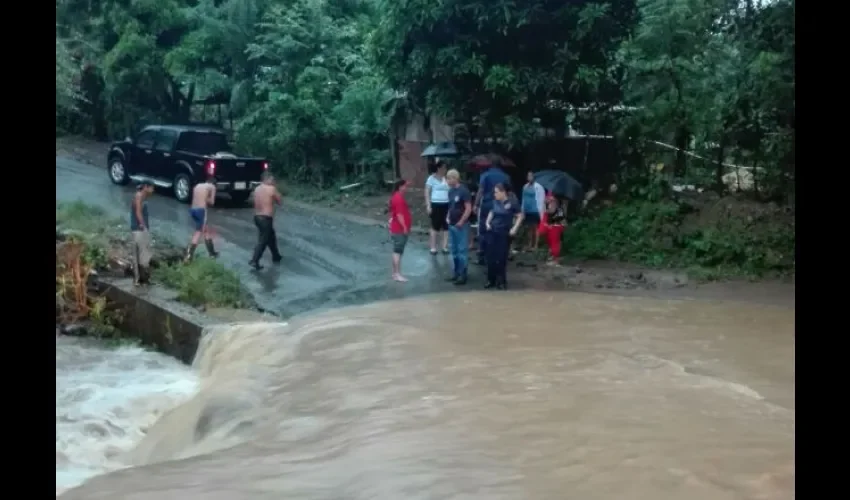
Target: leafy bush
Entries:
(80, 216)
(674, 234)
(635, 231)
(92, 226)
(204, 282)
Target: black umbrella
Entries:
(440, 149)
(560, 184)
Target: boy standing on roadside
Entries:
(140, 229)
(460, 208)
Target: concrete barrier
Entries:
(152, 315)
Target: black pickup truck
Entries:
(178, 157)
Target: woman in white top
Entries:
(437, 203)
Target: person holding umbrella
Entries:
(552, 227)
(558, 184)
(503, 220)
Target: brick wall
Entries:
(413, 138)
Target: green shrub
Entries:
(666, 233)
(92, 226)
(204, 282)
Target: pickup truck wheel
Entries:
(117, 171)
(239, 198)
(182, 188)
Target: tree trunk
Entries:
(93, 106)
(394, 153)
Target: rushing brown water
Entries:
(483, 396)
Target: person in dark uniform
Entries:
(491, 176)
(140, 229)
(503, 221)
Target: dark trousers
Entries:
(498, 247)
(266, 238)
(482, 233)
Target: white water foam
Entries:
(106, 398)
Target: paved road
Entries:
(327, 261)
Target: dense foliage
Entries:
(319, 85)
(505, 68)
(295, 76)
(714, 239)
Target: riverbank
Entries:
(576, 273)
(93, 260)
(583, 270)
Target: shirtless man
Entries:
(266, 198)
(203, 197)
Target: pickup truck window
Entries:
(165, 140)
(203, 143)
(146, 139)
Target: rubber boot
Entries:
(190, 253)
(144, 276)
(210, 248)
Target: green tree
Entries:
(716, 76)
(129, 80)
(213, 53)
(316, 105)
(67, 75)
(498, 67)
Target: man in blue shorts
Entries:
(203, 197)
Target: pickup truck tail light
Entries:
(265, 165)
(210, 167)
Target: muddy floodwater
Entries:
(516, 395)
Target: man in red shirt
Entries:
(400, 222)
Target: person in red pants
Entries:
(552, 226)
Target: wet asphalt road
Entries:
(327, 261)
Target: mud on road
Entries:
(333, 258)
